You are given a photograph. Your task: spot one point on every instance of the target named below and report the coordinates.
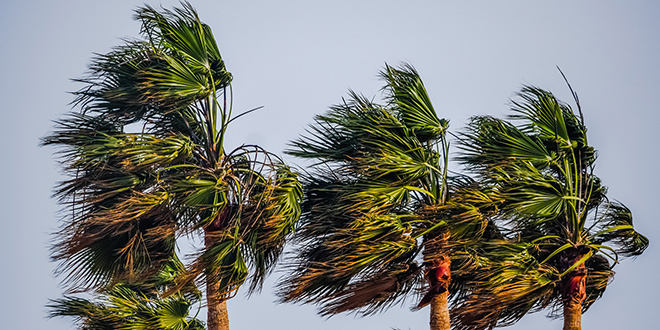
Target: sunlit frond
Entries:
(137, 237)
(122, 308)
(406, 90)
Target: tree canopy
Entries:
(146, 163)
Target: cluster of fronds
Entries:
(376, 196)
(135, 306)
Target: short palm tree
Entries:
(147, 164)
(564, 235)
(136, 306)
(377, 201)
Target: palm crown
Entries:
(147, 165)
(377, 197)
(140, 305)
(562, 229)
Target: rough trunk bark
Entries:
(440, 312)
(217, 317)
(438, 275)
(572, 316)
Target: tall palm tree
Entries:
(377, 197)
(147, 164)
(564, 235)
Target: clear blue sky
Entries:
(298, 57)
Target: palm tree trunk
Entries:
(440, 311)
(438, 275)
(572, 316)
(574, 288)
(217, 316)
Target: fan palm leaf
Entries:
(137, 306)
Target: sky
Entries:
(296, 58)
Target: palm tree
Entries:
(564, 235)
(378, 196)
(147, 164)
(135, 306)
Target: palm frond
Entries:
(103, 247)
(405, 89)
(123, 308)
(194, 68)
(616, 226)
(492, 141)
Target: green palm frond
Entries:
(406, 90)
(135, 306)
(490, 141)
(368, 137)
(181, 29)
(543, 113)
(113, 83)
(465, 215)
(532, 193)
(122, 308)
(193, 67)
(550, 118)
(99, 149)
(272, 218)
(175, 68)
(224, 264)
(616, 226)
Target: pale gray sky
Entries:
(298, 57)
